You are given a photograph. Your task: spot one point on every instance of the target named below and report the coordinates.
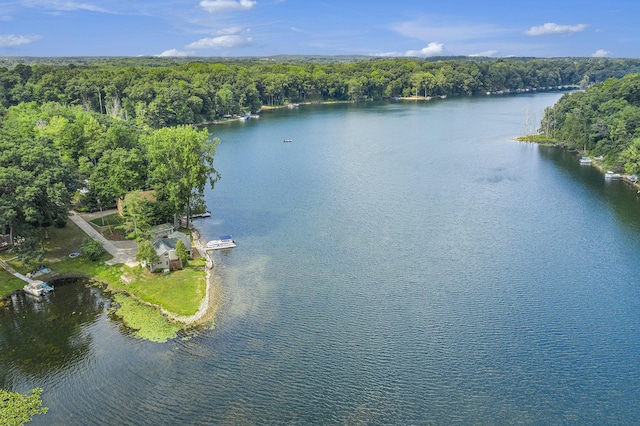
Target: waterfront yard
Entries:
(179, 292)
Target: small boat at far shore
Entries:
(585, 161)
(223, 242)
(609, 175)
(37, 288)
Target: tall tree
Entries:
(147, 254)
(182, 253)
(181, 164)
(137, 214)
(35, 188)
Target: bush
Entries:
(92, 249)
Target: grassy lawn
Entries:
(180, 292)
(9, 283)
(110, 220)
(60, 243)
(109, 228)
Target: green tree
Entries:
(118, 172)
(182, 252)
(631, 157)
(137, 212)
(181, 164)
(35, 187)
(92, 249)
(17, 409)
(147, 254)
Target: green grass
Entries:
(110, 220)
(179, 292)
(63, 241)
(9, 283)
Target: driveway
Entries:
(122, 251)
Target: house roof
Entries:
(163, 227)
(165, 245)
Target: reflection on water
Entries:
(41, 336)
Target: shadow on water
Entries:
(41, 336)
(622, 197)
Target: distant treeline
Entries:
(604, 120)
(160, 92)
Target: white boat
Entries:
(609, 175)
(223, 242)
(288, 140)
(205, 214)
(37, 288)
(585, 161)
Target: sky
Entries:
(230, 28)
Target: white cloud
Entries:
(601, 53)
(214, 6)
(174, 53)
(8, 40)
(221, 42)
(63, 5)
(486, 53)
(552, 28)
(432, 49)
(386, 54)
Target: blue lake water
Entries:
(397, 263)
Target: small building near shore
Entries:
(166, 250)
(162, 230)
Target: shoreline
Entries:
(595, 162)
(207, 309)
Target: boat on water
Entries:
(288, 140)
(609, 175)
(205, 214)
(585, 161)
(37, 288)
(223, 242)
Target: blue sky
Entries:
(319, 27)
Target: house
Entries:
(166, 250)
(159, 231)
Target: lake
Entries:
(397, 263)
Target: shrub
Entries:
(92, 249)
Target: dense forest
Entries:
(52, 154)
(96, 129)
(159, 92)
(603, 120)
